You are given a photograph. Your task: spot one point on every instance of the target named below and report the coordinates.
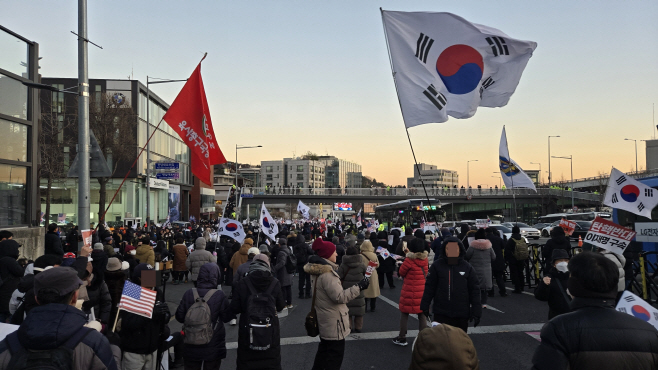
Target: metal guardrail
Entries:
(604, 178)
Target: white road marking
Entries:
(490, 307)
(524, 292)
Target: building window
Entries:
(268, 178)
(300, 168)
(15, 54)
(13, 195)
(15, 141)
(300, 176)
(268, 168)
(300, 184)
(13, 97)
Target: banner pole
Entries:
(509, 158)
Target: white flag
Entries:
(633, 305)
(624, 192)
(513, 175)
(358, 218)
(445, 65)
(232, 229)
(303, 209)
(268, 224)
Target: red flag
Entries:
(189, 116)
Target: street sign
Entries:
(167, 175)
(167, 165)
(246, 195)
(98, 166)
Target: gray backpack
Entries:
(198, 326)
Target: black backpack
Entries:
(291, 263)
(261, 313)
(60, 358)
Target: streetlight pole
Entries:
(468, 175)
(549, 160)
(570, 158)
(635, 152)
(237, 146)
(500, 184)
(539, 170)
(84, 206)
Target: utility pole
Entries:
(83, 119)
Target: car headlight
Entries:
(523, 231)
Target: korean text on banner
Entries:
(647, 232)
(86, 237)
(633, 305)
(608, 235)
(568, 226)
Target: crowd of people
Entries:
(66, 302)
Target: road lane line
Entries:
(524, 292)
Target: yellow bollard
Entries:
(645, 294)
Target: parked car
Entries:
(526, 230)
(546, 232)
(581, 229)
(507, 232)
(541, 225)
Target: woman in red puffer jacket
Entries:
(414, 270)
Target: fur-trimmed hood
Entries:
(352, 261)
(418, 255)
(317, 266)
(481, 244)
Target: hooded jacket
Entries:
(180, 256)
(241, 256)
(248, 359)
(280, 268)
(498, 245)
(557, 298)
(145, 254)
(220, 312)
(557, 241)
(444, 347)
(480, 255)
(50, 326)
(10, 272)
(368, 254)
(302, 250)
(414, 269)
(350, 272)
(455, 289)
(330, 298)
(199, 257)
(53, 244)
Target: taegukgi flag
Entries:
(303, 209)
(633, 305)
(624, 192)
(446, 66)
(268, 224)
(232, 229)
(513, 175)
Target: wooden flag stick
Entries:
(116, 319)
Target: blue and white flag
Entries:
(232, 229)
(624, 192)
(513, 175)
(268, 224)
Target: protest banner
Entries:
(372, 265)
(633, 305)
(608, 235)
(86, 237)
(482, 223)
(567, 226)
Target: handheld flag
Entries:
(624, 192)
(268, 224)
(633, 305)
(444, 65)
(232, 229)
(303, 209)
(358, 218)
(137, 300)
(189, 116)
(513, 175)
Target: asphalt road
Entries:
(505, 339)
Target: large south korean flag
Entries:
(446, 66)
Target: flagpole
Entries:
(509, 158)
(390, 59)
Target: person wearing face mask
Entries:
(553, 287)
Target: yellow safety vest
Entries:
(402, 227)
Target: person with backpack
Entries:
(302, 251)
(203, 311)
(199, 257)
(516, 254)
(55, 330)
(257, 298)
(286, 264)
(243, 269)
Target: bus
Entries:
(584, 216)
(410, 213)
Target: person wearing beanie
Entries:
(479, 255)
(243, 269)
(516, 266)
(114, 279)
(129, 256)
(199, 257)
(443, 347)
(259, 280)
(144, 252)
(414, 271)
(351, 271)
(181, 253)
(280, 255)
(595, 335)
(368, 254)
(330, 305)
(553, 287)
(558, 240)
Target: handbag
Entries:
(311, 323)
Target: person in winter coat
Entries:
(453, 285)
(181, 254)
(302, 251)
(553, 287)
(515, 266)
(108, 247)
(261, 279)
(99, 299)
(498, 264)
(53, 244)
(619, 261)
(145, 253)
(414, 269)
(241, 255)
(340, 249)
(443, 347)
(209, 355)
(199, 257)
(350, 272)
(243, 269)
(558, 240)
(370, 294)
(285, 278)
(19, 300)
(330, 305)
(595, 335)
(408, 237)
(10, 273)
(480, 255)
(386, 265)
(227, 244)
(114, 279)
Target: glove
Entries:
(475, 320)
(429, 317)
(363, 284)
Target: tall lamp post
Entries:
(468, 175)
(500, 180)
(237, 146)
(570, 158)
(539, 179)
(635, 152)
(549, 160)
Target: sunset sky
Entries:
(295, 76)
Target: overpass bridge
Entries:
(600, 183)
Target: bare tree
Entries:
(113, 122)
(310, 156)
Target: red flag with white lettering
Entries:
(189, 116)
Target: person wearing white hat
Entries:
(243, 269)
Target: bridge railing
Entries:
(419, 192)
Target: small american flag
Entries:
(137, 300)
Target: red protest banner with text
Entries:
(189, 116)
(608, 235)
(567, 226)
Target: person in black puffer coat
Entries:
(114, 279)
(558, 240)
(497, 265)
(453, 285)
(302, 251)
(53, 243)
(10, 272)
(553, 287)
(386, 265)
(594, 336)
(210, 354)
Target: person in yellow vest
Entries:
(402, 227)
(381, 227)
(504, 187)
